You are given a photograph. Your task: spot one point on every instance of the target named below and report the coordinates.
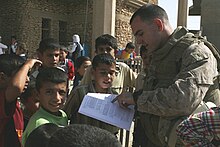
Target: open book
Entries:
(99, 106)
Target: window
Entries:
(45, 28)
(62, 32)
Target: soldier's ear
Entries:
(159, 24)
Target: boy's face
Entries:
(105, 49)
(83, 67)
(52, 96)
(103, 76)
(63, 55)
(50, 58)
(129, 50)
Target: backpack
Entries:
(204, 106)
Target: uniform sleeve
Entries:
(200, 129)
(198, 69)
(87, 78)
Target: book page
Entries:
(99, 106)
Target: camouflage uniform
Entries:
(124, 79)
(179, 76)
(73, 103)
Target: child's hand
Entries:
(33, 62)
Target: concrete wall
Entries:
(210, 21)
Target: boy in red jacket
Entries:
(13, 80)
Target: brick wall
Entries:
(23, 18)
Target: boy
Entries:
(125, 77)
(78, 135)
(82, 63)
(103, 71)
(128, 52)
(201, 129)
(48, 52)
(65, 63)
(13, 80)
(51, 89)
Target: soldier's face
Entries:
(147, 34)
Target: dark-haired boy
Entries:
(77, 135)
(48, 52)
(13, 80)
(125, 77)
(103, 72)
(51, 86)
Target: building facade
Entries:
(210, 22)
(32, 20)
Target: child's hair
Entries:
(81, 135)
(102, 58)
(130, 45)
(40, 136)
(50, 74)
(48, 44)
(22, 48)
(13, 37)
(80, 60)
(10, 63)
(106, 39)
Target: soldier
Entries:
(181, 75)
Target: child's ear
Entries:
(2, 76)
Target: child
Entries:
(78, 135)
(48, 52)
(13, 80)
(22, 50)
(30, 102)
(103, 71)
(51, 86)
(201, 129)
(125, 77)
(81, 65)
(40, 136)
(66, 64)
(128, 52)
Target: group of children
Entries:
(46, 83)
(41, 87)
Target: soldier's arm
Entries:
(199, 67)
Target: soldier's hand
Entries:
(125, 99)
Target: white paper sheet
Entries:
(99, 106)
